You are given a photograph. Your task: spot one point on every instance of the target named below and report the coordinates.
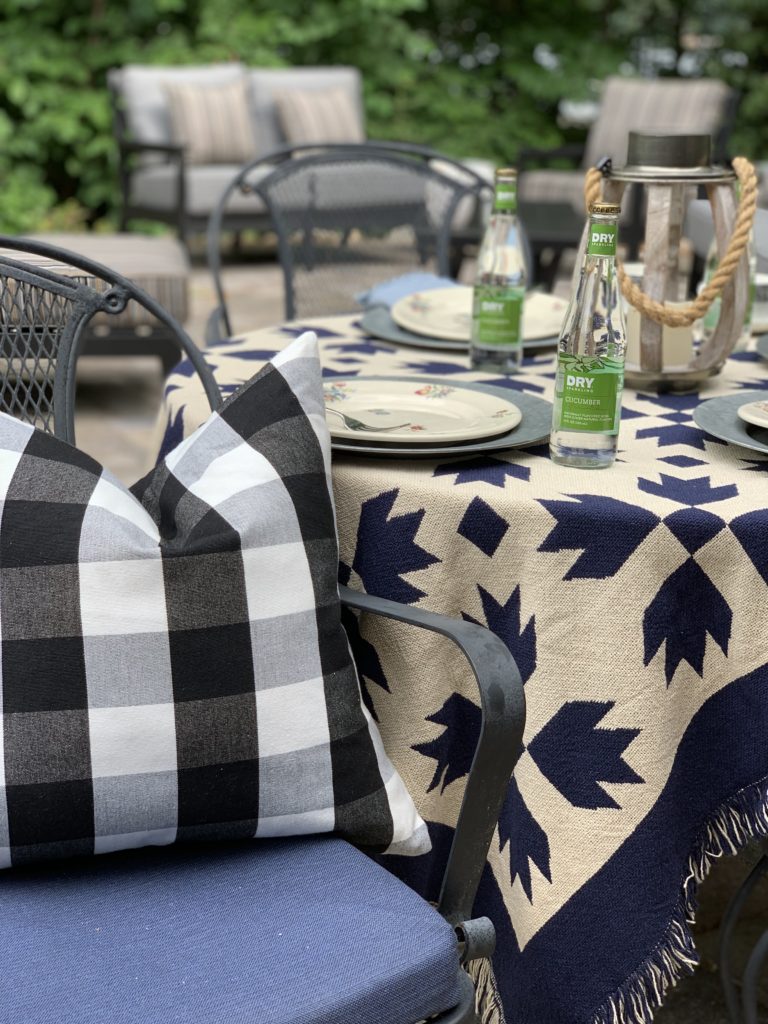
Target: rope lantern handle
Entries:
(684, 316)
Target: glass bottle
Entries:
(497, 306)
(590, 358)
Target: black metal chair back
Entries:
(47, 297)
(349, 216)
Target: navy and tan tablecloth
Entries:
(634, 600)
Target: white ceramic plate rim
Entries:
(482, 410)
(751, 412)
(422, 323)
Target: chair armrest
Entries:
(502, 705)
(217, 326)
(529, 158)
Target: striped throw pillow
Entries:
(213, 123)
(325, 116)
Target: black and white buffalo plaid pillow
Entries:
(173, 664)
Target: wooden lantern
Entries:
(671, 169)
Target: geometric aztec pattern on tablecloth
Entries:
(173, 663)
(633, 601)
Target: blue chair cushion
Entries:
(271, 932)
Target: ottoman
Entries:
(158, 265)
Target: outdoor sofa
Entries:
(166, 178)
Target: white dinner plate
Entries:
(393, 410)
(755, 413)
(447, 313)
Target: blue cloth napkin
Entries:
(389, 292)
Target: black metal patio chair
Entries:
(348, 216)
(48, 296)
(743, 1009)
(42, 314)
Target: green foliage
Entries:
(471, 77)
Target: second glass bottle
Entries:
(497, 308)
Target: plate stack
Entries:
(441, 318)
(406, 417)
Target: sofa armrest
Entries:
(173, 154)
(502, 705)
(170, 149)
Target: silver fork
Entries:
(353, 424)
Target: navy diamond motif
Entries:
(528, 843)
(439, 369)
(675, 433)
(386, 549)
(454, 748)
(673, 402)
(631, 414)
(576, 754)
(694, 527)
(686, 610)
(605, 530)
(682, 461)
(697, 491)
(751, 531)
(321, 332)
(483, 527)
(746, 357)
(484, 469)
(505, 621)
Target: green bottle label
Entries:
(506, 197)
(588, 393)
(497, 315)
(602, 240)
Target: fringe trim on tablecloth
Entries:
(487, 1000)
(736, 823)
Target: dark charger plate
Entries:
(720, 418)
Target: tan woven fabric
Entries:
(213, 123)
(326, 116)
(592, 579)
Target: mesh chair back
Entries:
(350, 216)
(47, 296)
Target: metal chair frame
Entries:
(743, 1010)
(292, 160)
(86, 301)
(500, 686)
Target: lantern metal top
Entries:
(656, 157)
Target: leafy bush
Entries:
(478, 78)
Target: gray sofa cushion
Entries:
(331, 188)
(155, 188)
(143, 91)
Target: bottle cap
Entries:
(506, 172)
(611, 209)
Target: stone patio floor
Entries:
(118, 401)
